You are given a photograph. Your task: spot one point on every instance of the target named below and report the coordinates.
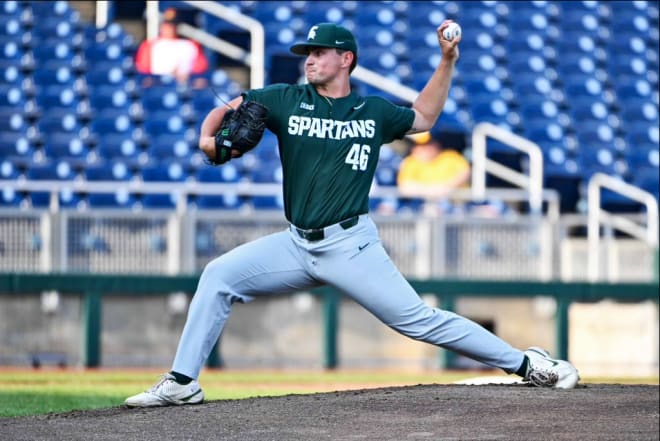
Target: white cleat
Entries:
(544, 371)
(167, 392)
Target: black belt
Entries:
(316, 234)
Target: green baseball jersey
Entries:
(329, 148)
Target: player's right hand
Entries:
(449, 48)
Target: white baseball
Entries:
(452, 31)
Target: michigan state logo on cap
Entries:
(327, 35)
(312, 33)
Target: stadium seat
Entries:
(11, 96)
(54, 50)
(57, 96)
(100, 77)
(11, 9)
(16, 147)
(107, 96)
(118, 199)
(106, 125)
(9, 197)
(166, 172)
(226, 201)
(169, 146)
(120, 146)
(67, 147)
(110, 170)
(228, 173)
(56, 171)
(167, 122)
(159, 201)
(12, 121)
(8, 170)
(647, 179)
(12, 75)
(566, 179)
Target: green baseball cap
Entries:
(327, 35)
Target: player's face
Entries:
(322, 65)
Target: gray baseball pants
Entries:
(352, 260)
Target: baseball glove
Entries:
(241, 130)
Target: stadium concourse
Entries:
(580, 79)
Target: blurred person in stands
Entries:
(170, 54)
(432, 171)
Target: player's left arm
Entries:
(211, 124)
(431, 100)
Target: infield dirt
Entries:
(423, 412)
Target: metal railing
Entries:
(481, 164)
(597, 217)
(254, 59)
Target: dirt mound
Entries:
(424, 412)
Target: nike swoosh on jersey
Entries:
(358, 107)
(339, 42)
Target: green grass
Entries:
(33, 392)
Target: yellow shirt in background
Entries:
(439, 170)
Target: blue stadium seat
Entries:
(633, 87)
(118, 199)
(122, 146)
(156, 99)
(169, 171)
(267, 172)
(170, 123)
(11, 51)
(59, 119)
(111, 170)
(11, 8)
(54, 50)
(386, 176)
(159, 201)
(9, 197)
(642, 137)
(59, 97)
(106, 125)
(566, 179)
(101, 52)
(228, 173)
(108, 96)
(12, 120)
(639, 110)
(16, 147)
(57, 171)
(169, 146)
(267, 202)
(12, 75)
(583, 87)
(166, 172)
(100, 77)
(647, 179)
(11, 96)
(8, 170)
(227, 201)
(66, 146)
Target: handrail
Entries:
(596, 216)
(381, 82)
(481, 164)
(256, 59)
(102, 9)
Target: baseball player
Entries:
(329, 140)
